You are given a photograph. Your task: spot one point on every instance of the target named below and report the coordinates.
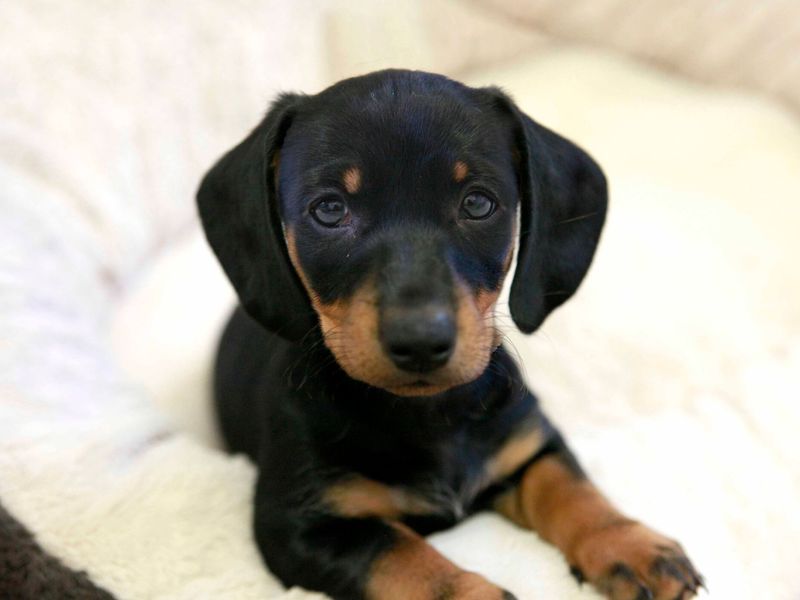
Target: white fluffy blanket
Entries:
(674, 372)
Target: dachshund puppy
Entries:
(367, 231)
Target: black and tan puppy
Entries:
(368, 230)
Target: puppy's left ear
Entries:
(563, 207)
(238, 206)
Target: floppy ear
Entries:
(563, 208)
(239, 210)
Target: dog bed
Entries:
(674, 371)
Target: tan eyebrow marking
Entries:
(352, 180)
(460, 171)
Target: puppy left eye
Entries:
(329, 212)
(477, 206)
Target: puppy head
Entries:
(382, 210)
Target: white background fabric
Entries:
(674, 371)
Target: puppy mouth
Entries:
(414, 384)
(419, 387)
(400, 383)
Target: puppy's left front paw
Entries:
(628, 561)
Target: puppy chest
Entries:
(444, 486)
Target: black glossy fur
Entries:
(281, 395)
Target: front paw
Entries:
(471, 586)
(627, 561)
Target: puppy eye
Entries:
(329, 212)
(477, 206)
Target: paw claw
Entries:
(700, 581)
(577, 574)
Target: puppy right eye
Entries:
(329, 211)
(477, 206)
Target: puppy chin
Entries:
(424, 384)
(419, 389)
(399, 382)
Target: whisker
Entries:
(579, 218)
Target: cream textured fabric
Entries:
(674, 371)
(754, 44)
(446, 36)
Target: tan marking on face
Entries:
(460, 171)
(412, 568)
(520, 448)
(352, 180)
(291, 247)
(474, 340)
(358, 497)
(350, 330)
(485, 300)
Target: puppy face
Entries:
(398, 205)
(383, 210)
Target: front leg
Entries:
(361, 557)
(412, 568)
(622, 558)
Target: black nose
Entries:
(419, 339)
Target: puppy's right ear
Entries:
(239, 210)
